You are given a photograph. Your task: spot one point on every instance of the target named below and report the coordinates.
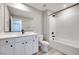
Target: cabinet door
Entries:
(7, 49)
(28, 45)
(19, 48)
(35, 44)
(7, 41)
(3, 50)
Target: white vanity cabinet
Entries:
(23, 45)
(27, 45)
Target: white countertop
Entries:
(15, 34)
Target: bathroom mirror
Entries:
(18, 23)
(16, 20)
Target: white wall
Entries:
(1, 17)
(28, 24)
(36, 14)
(6, 19)
(67, 24)
(45, 25)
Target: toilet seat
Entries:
(44, 42)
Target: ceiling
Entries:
(18, 12)
(50, 6)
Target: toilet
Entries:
(43, 44)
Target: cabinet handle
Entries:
(33, 40)
(25, 42)
(6, 41)
(11, 45)
(22, 43)
(53, 39)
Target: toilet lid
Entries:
(45, 42)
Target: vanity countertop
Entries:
(15, 34)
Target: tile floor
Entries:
(51, 51)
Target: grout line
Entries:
(51, 51)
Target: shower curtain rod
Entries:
(64, 9)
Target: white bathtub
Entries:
(66, 46)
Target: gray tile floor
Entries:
(51, 51)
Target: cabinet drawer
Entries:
(6, 41)
(18, 39)
(27, 38)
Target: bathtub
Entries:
(66, 46)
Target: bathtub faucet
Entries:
(53, 35)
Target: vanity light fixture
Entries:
(65, 5)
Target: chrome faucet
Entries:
(22, 31)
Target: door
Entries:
(28, 45)
(7, 49)
(35, 44)
(19, 48)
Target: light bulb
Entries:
(64, 5)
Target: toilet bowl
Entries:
(43, 44)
